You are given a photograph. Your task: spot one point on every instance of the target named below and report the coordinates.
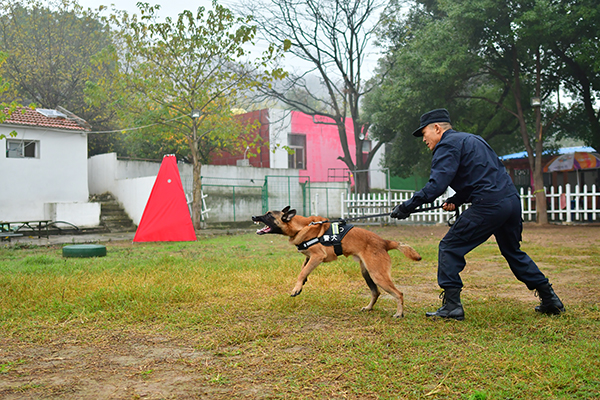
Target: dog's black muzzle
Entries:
(270, 226)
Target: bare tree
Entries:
(333, 38)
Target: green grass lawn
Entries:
(227, 298)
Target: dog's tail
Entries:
(406, 249)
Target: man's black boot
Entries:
(451, 307)
(549, 301)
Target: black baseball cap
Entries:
(430, 117)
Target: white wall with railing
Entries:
(565, 205)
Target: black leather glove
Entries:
(400, 212)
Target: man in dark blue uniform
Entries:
(467, 164)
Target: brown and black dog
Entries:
(370, 250)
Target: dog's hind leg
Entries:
(379, 269)
(372, 285)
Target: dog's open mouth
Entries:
(266, 229)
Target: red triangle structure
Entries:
(166, 217)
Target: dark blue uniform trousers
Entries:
(500, 218)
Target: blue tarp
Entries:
(564, 150)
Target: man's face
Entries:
(432, 134)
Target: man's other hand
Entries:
(449, 207)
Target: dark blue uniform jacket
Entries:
(467, 164)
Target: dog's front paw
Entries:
(397, 315)
(367, 308)
(296, 292)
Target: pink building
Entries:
(315, 142)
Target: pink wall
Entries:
(258, 159)
(322, 145)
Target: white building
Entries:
(43, 168)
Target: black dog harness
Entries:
(332, 237)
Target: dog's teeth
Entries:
(263, 230)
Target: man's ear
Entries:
(288, 215)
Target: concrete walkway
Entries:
(70, 239)
(107, 237)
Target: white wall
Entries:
(102, 173)
(133, 194)
(219, 182)
(280, 126)
(378, 178)
(130, 182)
(58, 175)
(78, 214)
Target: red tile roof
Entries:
(29, 117)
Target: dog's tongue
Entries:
(264, 230)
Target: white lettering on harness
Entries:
(311, 242)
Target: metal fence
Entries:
(231, 199)
(568, 204)
(236, 200)
(282, 191)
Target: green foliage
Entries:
(573, 29)
(6, 109)
(163, 70)
(50, 47)
(478, 59)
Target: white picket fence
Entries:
(564, 205)
(568, 204)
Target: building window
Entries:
(297, 156)
(22, 148)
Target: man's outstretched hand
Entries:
(400, 212)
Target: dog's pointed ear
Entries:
(288, 215)
(286, 209)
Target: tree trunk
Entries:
(196, 178)
(541, 207)
(534, 157)
(361, 180)
(197, 193)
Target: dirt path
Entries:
(134, 365)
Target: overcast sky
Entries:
(172, 8)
